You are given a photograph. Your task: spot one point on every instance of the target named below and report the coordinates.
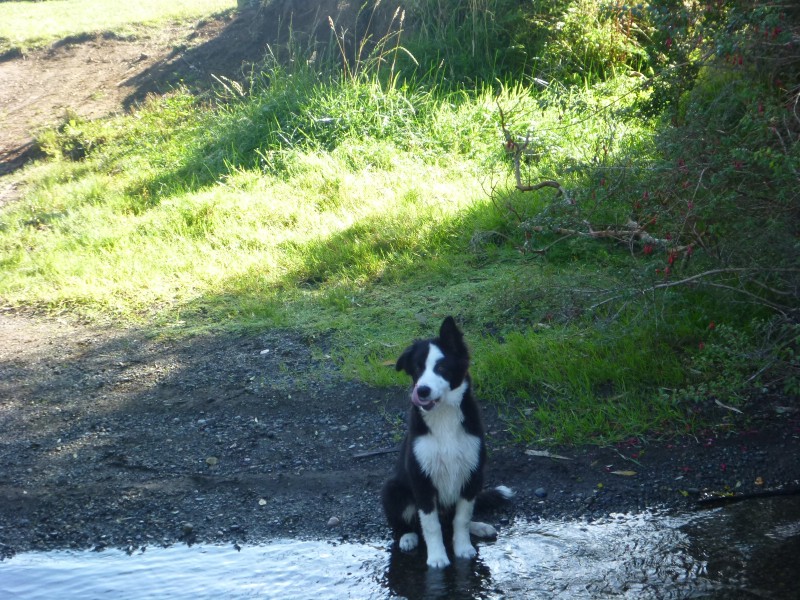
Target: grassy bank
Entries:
(367, 209)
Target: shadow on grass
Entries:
(236, 48)
(299, 43)
(230, 57)
(288, 32)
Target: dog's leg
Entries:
(462, 546)
(408, 541)
(432, 532)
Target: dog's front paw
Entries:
(438, 560)
(466, 550)
(408, 542)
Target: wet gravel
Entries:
(112, 439)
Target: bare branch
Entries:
(517, 150)
(532, 188)
(550, 245)
(700, 278)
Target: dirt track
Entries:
(111, 438)
(101, 75)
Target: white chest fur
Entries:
(447, 454)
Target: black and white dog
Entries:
(440, 470)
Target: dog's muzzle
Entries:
(420, 396)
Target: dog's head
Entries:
(438, 367)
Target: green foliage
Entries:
(593, 41)
(788, 355)
(562, 42)
(756, 36)
(722, 365)
(70, 140)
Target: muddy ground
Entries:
(113, 438)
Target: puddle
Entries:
(747, 550)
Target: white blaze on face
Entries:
(430, 379)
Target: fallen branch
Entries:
(369, 453)
(726, 407)
(532, 188)
(700, 278)
(546, 454)
(714, 499)
(550, 245)
(631, 232)
(754, 285)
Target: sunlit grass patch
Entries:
(325, 221)
(350, 207)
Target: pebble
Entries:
(334, 522)
(540, 492)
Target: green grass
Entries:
(346, 207)
(370, 209)
(27, 25)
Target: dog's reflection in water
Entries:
(409, 577)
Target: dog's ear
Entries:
(404, 362)
(448, 328)
(451, 337)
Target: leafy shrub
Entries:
(591, 41)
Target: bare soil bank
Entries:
(99, 75)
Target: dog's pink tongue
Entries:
(415, 399)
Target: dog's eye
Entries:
(440, 369)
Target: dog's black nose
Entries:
(423, 391)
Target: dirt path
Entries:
(100, 75)
(90, 78)
(113, 438)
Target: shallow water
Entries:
(748, 550)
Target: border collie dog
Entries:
(440, 470)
